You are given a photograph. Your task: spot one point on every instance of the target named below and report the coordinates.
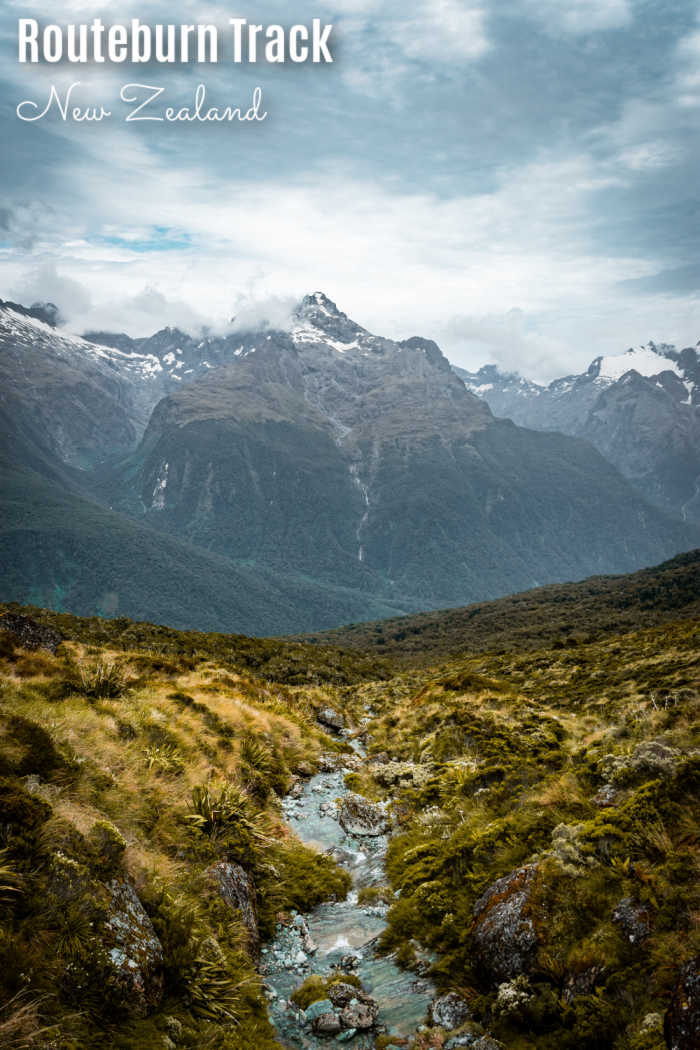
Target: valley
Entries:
(288, 481)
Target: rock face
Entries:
(358, 816)
(633, 917)
(504, 939)
(449, 1011)
(133, 949)
(30, 634)
(682, 1021)
(238, 890)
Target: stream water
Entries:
(339, 935)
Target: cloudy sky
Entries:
(518, 179)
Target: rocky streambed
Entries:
(340, 938)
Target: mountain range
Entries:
(640, 409)
(275, 481)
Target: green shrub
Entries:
(103, 680)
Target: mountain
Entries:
(332, 452)
(640, 409)
(559, 616)
(301, 478)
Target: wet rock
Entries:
(29, 634)
(318, 1009)
(349, 962)
(634, 920)
(682, 1021)
(359, 816)
(238, 890)
(296, 790)
(347, 1035)
(449, 1011)
(331, 718)
(504, 940)
(133, 949)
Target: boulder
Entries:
(633, 917)
(361, 1012)
(133, 949)
(327, 1024)
(318, 1009)
(682, 1021)
(449, 1011)
(359, 816)
(29, 634)
(238, 891)
(341, 994)
(504, 939)
(331, 718)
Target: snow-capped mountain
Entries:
(641, 409)
(341, 474)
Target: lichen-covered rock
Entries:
(341, 994)
(359, 816)
(475, 1038)
(634, 919)
(682, 1021)
(238, 890)
(328, 1024)
(134, 951)
(504, 939)
(392, 774)
(361, 1012)
(449, 1011)
(30, 634)
(331, 718)
(606, 796)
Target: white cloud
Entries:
(400, 262)
(578, 17)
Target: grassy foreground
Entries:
(149, 757)
(570, 773)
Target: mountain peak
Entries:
(320, 301)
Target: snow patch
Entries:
(644, 360)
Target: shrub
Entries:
(103, 680)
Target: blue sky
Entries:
(517, 179)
